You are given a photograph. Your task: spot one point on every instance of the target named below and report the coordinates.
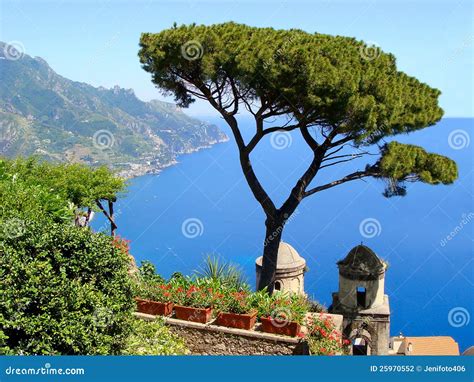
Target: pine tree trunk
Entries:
(274, 230)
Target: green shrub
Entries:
(63, 290)
(153, 338)
(147, 273)
(280, 306)
(227, 274)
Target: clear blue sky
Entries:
(97, 41)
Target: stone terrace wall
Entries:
(208, 339)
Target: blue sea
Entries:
(203, 206)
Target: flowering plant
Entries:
(198, 293)
(231, 300)
(323, 338)
(123, 245)
(155, 292)
(280, 306)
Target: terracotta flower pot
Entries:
(153, 307)
(187, 313)
(269, 325)
(239, 321)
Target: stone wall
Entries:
(208, 339)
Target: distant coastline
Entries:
(148, 168)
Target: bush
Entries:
(281, 306)
(147, 273)
(153, 338)
(63, 290)
(227, 274)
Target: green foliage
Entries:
(147, 273)
(227, 274)
(154, 292)
(234, 301)
(22, 200)
(280, 306)
(336, 85)
(401, 162)
(195, 292)
(64, 290)
(153, 338)
(78, 184)
(176, 275)
(327, 78)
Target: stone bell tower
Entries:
(362, 302)
(290, 270)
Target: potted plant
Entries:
(281, 313)
(154, 299)
(323, 338)
(193, 301)
(235, 310)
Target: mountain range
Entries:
(54, 118)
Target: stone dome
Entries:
(361, 262)
(288, 258)
(469, 351)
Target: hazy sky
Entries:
(97, 41)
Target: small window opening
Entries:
(359, 346)
(361, 297)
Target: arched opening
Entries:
(277, 285)
(360, 346)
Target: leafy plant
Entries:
(227, 274)
(155, 292)
(152, 338)
(234, 301)
(280, 306)
(196, 293)
(64, 290)
(323, 338)
(147, 273)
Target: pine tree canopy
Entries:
(342, 88)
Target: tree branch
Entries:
(371, 171)
(109, 218)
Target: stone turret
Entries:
(289, 270)
(362, 301)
